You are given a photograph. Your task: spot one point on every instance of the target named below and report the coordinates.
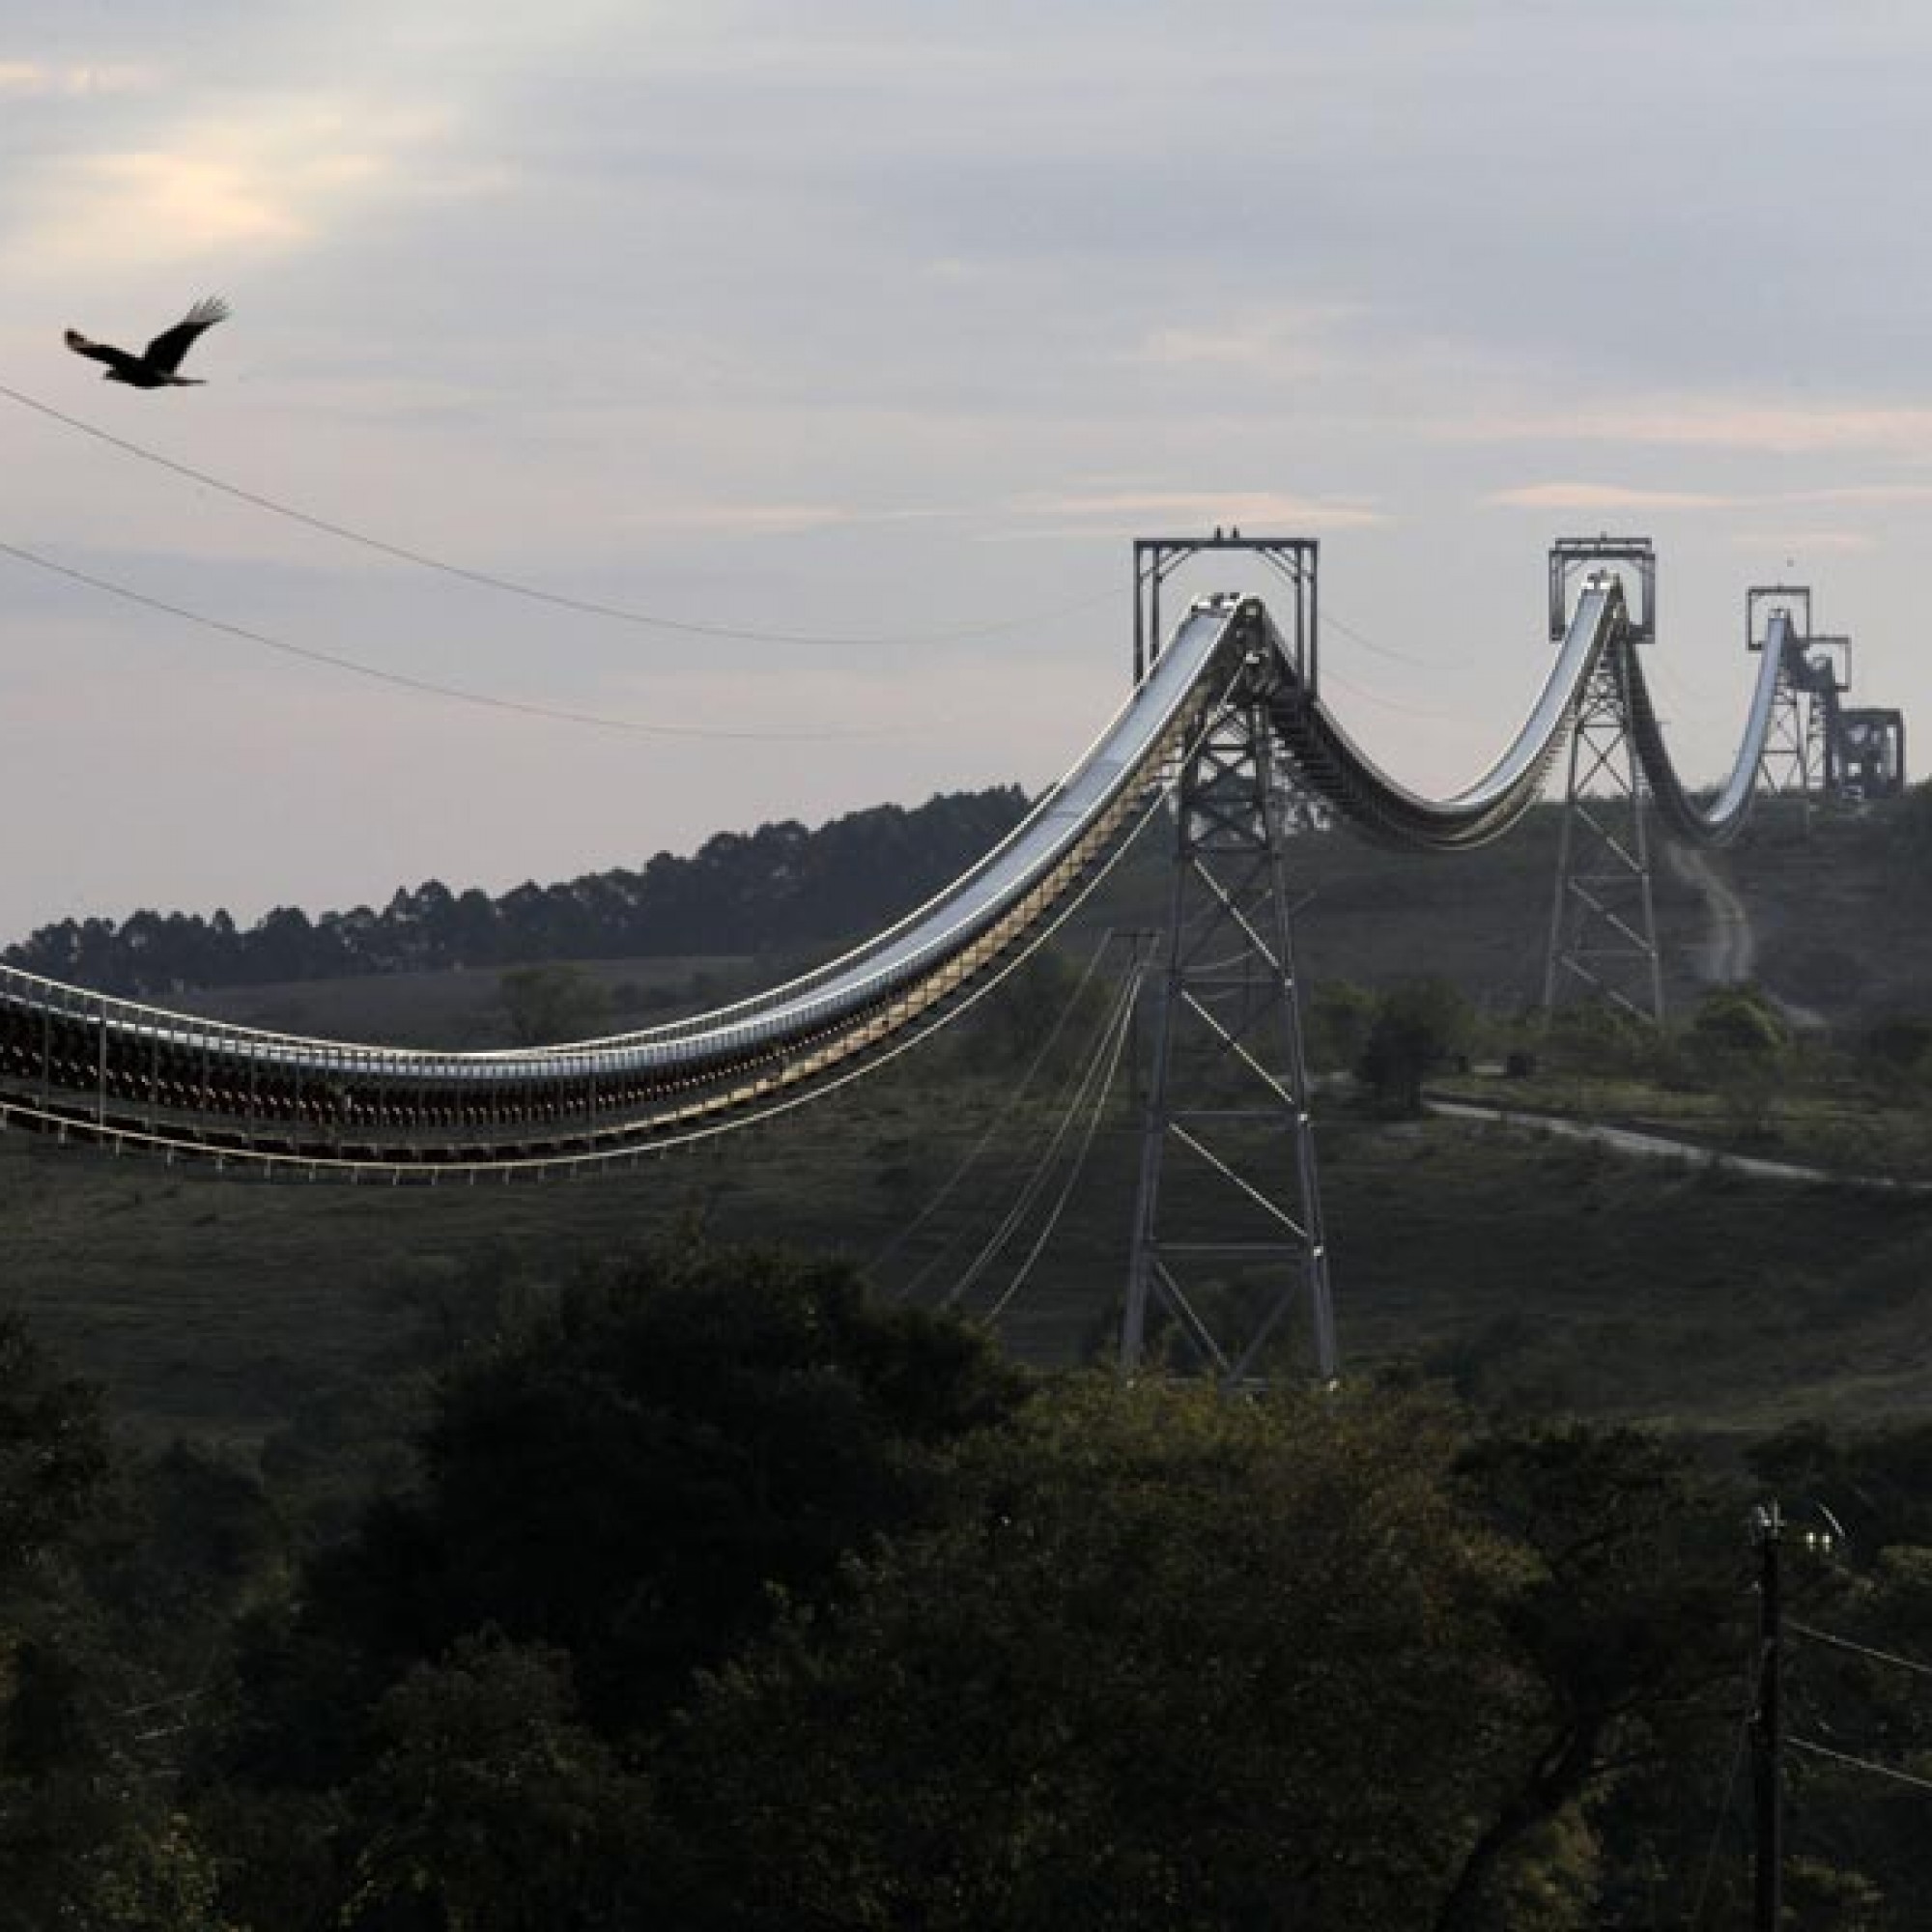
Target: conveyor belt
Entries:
(87, 1065)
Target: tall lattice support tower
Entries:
(1220, 1263)
(1794, 761)
(1602, 927)
(1785, 767)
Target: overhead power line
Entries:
(1119, 1016)
(619, 613)
(402, 679)
(514, 586)
(1876, 1770)
(1747, 1719)
(1016, 1091)
(1102, 1091)
(1330, 675)
(1368, 643)
(1910, 1663)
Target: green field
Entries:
(1525, 1267)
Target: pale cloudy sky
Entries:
(891, 323)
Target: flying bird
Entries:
(156, 366)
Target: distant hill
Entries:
(1838, 904)
(781, 888)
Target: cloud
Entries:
(1290, 342)
(76, 81)
(159, 203)
(1257, 510)
(1604, 497)
(1863, 493)
(1793, 543)
(751, 519)
(765, 520)
(1768, 429)
(274, 177)
(1579, 495)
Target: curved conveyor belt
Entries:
(1393, 814)
(1598, 638)
(1723, 818)
(87, 1065)
(111, 1070)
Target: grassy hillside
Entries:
(467, 1009)
(1840, 906)
(1523, 1267)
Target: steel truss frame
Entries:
(1229, 1085)
(1572, 556)
(1602, 928)
(1827, 677)
(1789, 762)
(1297, 559)
(1872, 745)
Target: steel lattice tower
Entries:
(1216, 1268)
(1602, 927)
(1791, 765)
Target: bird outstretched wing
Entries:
(99, 352)
(164, 353)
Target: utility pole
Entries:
(1768, 1726)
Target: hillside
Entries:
(212, 1304)
(1838, 904)
(1522, 1268)
(780, 888)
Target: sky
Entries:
(861, 340)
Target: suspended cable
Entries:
(1105, 1092)
(1146, 817)
(1065, 1108)
(402, 679)
(1859, 1649)
(1037, 1180)
(1679, 685)
(1753, 1670)
(1723, 1818)
(1890, 1771)
(1004, 1112)
(1368, 643)
(514, 586)
(1058, 1107)
(1331, 675)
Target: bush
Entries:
(1418, 1025)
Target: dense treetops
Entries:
(723, 1596)
(783, 887)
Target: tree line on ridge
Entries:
(783, 887)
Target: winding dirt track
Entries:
(1662, 1146)
(1730, 947)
